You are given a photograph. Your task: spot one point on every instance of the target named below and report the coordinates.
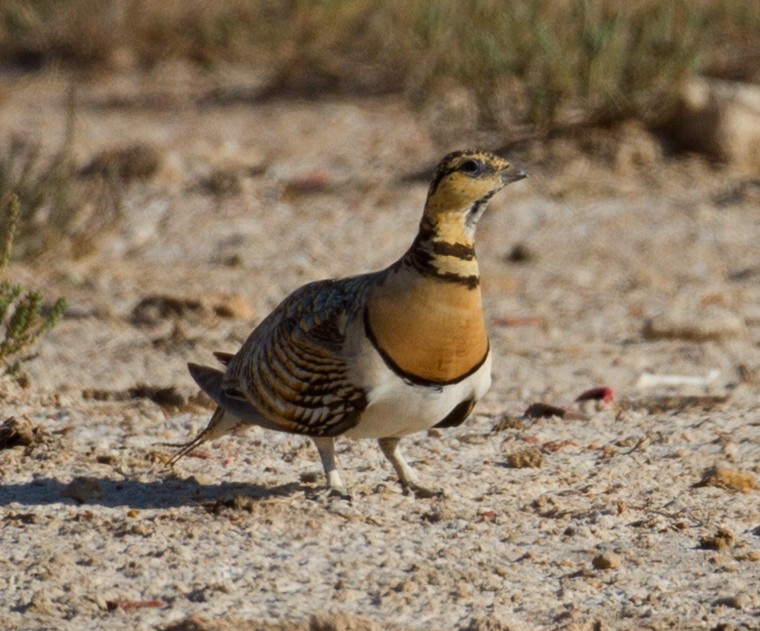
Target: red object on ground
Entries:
(602, 393)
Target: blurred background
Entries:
(502, 71)
(526, 65)
(493, 72)
(172, 169)
(135, 131)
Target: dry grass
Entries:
(524, 62)
(521, 66)
(61, 213)
(63, 208)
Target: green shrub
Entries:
(22, 322)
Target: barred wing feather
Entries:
(293, 368)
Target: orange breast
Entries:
(429, 328)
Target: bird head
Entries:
(463, 183)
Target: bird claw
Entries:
(334, 492)
(421, 492)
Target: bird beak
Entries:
(513, 174)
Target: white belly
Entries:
(397, 408)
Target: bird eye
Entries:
(472, 167)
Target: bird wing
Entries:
(294, 368)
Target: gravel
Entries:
(612, 516)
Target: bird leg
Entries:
(407, 476)
(326, 447)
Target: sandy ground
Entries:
(640, 513)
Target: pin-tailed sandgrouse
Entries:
(379, 355)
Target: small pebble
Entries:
(721, 540)
(83, 489)
(310, 477)
(529, 457)
(18, 431)
(543, 410)
(606, 561)
(507, 422)
(727, 478)
(737, 601)
(721, 559)
(752, 555)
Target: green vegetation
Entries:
(22, 322)
(525, 62)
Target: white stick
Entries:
(649, 380)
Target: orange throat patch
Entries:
(430, 329)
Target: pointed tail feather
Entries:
(224, 358)
(184, 448)
(216, 427)
(235, 403)
(209, 380)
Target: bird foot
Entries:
(334, 492)
(420, 491)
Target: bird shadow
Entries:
(160, 493)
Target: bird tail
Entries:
(235, 404)
(216, 427)
(209, 380)
(224, 358)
